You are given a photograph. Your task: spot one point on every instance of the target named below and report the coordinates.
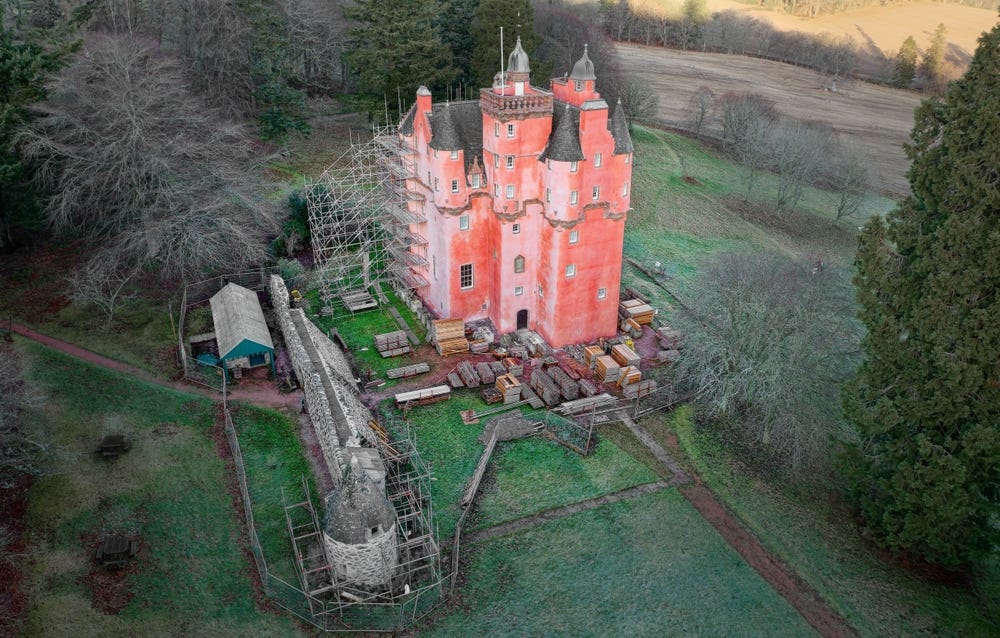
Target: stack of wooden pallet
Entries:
(518, 352)
(423, 396)
(569, 388)
(639, 311)
(513, 366)
(640, 389)
(545, 387)
(587, 388)
(449, 337)
(408, 371)
(468, 374)
(590, 354)
(509, 387)
(485, 373)
(392, 344)
(630, 375)
(607, 370)
(624, 356)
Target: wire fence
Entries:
(328, 615)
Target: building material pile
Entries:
(423, 396)
(606, 369)
(527, 394)
(546, 388)
(640, 389)
(587, 388)
(485, 372)
(408, 371)
(590, 354)
(569, 388)
(630, 375)
(586, 404)
(513, 366)
(625, 356)
(498, 368)
(638, 311)
(449, 337)
(392, 344)
(468, 374)
(454, 380)
(509, 388)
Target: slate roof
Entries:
(458, 126)
(618, 125)
(237, 315)
(357, 507)
(564, 143)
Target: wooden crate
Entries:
(630, 375)
(606, 369)
(449, 336)
(590, 354)
(624, 356)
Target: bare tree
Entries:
(138, 165)
(103, 281)
(638, 99)
(23, 448)
(768, 343)
(798, 152)
(747, 119)
(700, 110)
(848, 181)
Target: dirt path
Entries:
(249, 390)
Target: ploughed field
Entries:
(875, 119)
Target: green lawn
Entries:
(191, 577)
(810, 528)
(650, 566)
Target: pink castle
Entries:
(525, 193)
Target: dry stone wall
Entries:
(370, 564)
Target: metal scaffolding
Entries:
(367, 223)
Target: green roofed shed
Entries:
(240, 329)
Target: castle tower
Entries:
(529, 190)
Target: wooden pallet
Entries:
(408, 371)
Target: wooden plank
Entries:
(396, 352)
(408, 371)
(423, 393)
(468, 374)
(527, 394)
(485, 373)
(454, 380)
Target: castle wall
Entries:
(370, 564)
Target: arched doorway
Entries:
(522, 319)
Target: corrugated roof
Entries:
(618, 125)
(237, 315)
(564, 144)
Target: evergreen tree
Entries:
(926, 401)
(454, 23)
(517, 19)
(392, 45)
(932, 66)
(906, 64)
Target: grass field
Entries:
(808, 526)
(190, 577)
(646, 567)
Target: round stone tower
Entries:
(359, 531)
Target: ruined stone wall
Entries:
(316, 402)
(370, 564)
(413, 303)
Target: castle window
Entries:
(435, 153)
(436, 185)
(475, 180)
(518, 291)
(510, 130)
(625, 189)
(465, 276)
(570, 271)
(496, 161)
(510, 191)
(573, 197)
(454, 185)
(579, 85)
(496, 129)
(574, 236)
(454, 155)
(516, 229)
(541, 291)
(463, 222)
(572, 167)
(434, 266)
(628, 158)
(496, 190)
(548, 194)
(510, 161)
(597, 160)
(519, 263)
(602, 293)
(596, 192)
